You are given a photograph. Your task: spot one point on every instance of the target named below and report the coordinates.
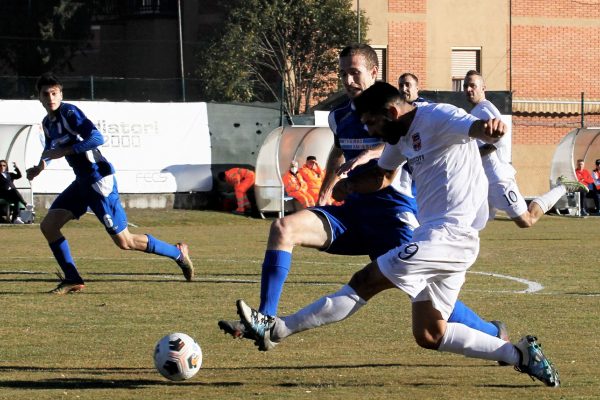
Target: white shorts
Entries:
(504, 195)
(433, 266)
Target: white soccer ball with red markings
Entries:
(177, 357)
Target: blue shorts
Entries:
(366, 225)
(101, 197)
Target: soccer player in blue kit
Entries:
(70, 134)
(366, 224)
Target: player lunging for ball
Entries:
(437, 142)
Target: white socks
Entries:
(461, 339)
(326, 310)
(548, 200)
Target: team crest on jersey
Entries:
(416, 139)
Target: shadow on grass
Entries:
(78, 383)
(99, 383)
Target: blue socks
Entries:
(161, 248)
(275, 270)
(464, 315)
(62, 253)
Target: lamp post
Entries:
(181, 50)
(358, 19)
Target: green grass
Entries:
(98, 344)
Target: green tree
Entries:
(266, 42)
(42, 35)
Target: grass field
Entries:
(98, 344)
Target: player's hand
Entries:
(33, 172)
(341, 190)
(495, 128)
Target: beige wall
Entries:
(487, 23)
(532, 162)
(485, 26)
(377, 12)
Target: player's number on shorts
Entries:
(408, 251)
(511, 197)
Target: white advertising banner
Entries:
(154, 147)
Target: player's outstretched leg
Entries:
(258, 324)
(185, 262)
(178, 252)
(235, 329)
(535, 364)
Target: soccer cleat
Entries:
(185, 262)
(66, 287)
(572, 186)
(258, 325)
(18, 221)
(236, 329)
(534, 363)
(502, 334)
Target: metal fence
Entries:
(107, 88)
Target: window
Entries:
(382, 57)
(463, 60)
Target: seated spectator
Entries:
(296, 187)
(242, 180)
(9, 192)
(313, 176)
(596, 187)
(585, 178)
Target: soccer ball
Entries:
(177, 357)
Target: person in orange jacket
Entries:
(296, 187)
(242, 180)
(585, 178)
(313, 176)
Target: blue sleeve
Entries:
(91, 136)
(94, 140)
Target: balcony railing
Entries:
(116, 9)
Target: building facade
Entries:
(545, 52)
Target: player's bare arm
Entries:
(363, 158)
(489, 131)
(57, 153)
(335, 159)
(35, 170)
(367, 181)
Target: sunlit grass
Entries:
(98, 344)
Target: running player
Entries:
(367, 223)
(504, 193)
(70, 134)
(436, 141)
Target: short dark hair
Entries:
(598, 161)
(407, 74)
(375, 99)
(472, 72)
(364, 50)
(311, 158)
(47, 79)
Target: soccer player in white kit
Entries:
(437, 142)
(504, 193)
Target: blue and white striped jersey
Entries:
(70, 127)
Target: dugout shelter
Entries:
(14, 139)
(580, 143)
(280, 148)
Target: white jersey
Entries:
(496, 167)
(445, 165)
